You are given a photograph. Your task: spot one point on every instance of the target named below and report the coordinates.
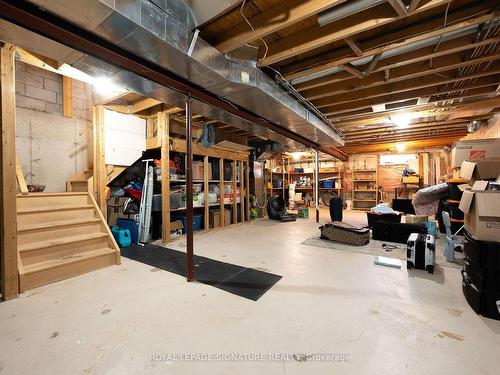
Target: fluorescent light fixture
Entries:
(402, 121)
(346, 9)
(400, 147)
(378, 108)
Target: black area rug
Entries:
(244, 282)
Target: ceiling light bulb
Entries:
(104, 85)
(402, 121)
(400, 147)
(296, 155)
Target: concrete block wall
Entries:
(51, 147)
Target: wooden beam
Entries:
(163, 135)
(143, 105)
(319, 36)
(390, 146)
(411, 34)
(354, 46)
(351, 69)
(399, 7)
(404, 92)
(23, 189)
(9, 274)
(274, 19)
(67, 90)
(413, 5)
(422, 54)
(99, 163)
(404, 73)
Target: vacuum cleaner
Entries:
(276, 210)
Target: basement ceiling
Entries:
(380, 71)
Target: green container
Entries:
(303, 212)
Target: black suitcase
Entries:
(336, 206)
(396, 232)
(482, 253)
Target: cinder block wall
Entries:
(51, 147)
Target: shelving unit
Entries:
(333, 175)
(364, 189)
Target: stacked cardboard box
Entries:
(481, 206)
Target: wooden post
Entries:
(205, 191)
(163, 121)
(99, 158)
(235, 205)
(221, 194)
(8, 205)
(247, 190)
(67, 90)
(242, 193)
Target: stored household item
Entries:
(303, 212)
(146, 203)
(474, 150)
(403, 205)
(482, 301)
(196, 223)
(396, 232)
(122, 236)
(387, 262)
(486, 169)
(415, 219)
(482, 253)
(156, 206)
(421, 252)
(132, 226)
(345, 233)
(452, 241)
(336, 207)
(482, 212)
(276, 210)
(374, 217)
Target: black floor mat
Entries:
(244, 282)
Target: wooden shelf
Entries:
(365, 191)
(364, 200)
(457, 220)
(364, 170)
(453, 201)
(364, 180)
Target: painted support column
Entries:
(189, 193)
(316, 183)
(163, 121)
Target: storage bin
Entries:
(132, 226)
(196, 223)
(328, 184)
(122, 236)
(156, 206)
(176, 200)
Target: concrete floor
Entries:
(386, 320)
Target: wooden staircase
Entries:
(81, 182)
(61, 235)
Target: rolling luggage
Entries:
(346, 233)
(396, 232)
(421, 252)
(336, 207)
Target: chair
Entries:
(451, 240)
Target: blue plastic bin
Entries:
(328, 184)
(122, 236)
(196, 223)
(132, 226)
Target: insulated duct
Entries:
(145, 29)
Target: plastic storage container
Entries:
(122, 236)
(131, 225)
(196, 223)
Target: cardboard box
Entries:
(227, 216)
(214, 218)
(485, 169)
(482, 212)
(473, 150)
(115, 208)
(410, 180)
(198, 170)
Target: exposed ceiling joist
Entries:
(270, 21)
(411, 34)
(354, 46)
(389, 146)
(399, 7)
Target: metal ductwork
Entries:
(156, 32)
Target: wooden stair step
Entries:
(57, 224)
(42, 195)
(53, 208)
(60, 242)
(60, 262)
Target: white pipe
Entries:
(316, 183)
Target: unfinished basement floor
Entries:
(329, 301)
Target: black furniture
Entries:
(481, 276)
(396, 232)
(374, 218)
(403, 205)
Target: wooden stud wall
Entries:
(8, 206)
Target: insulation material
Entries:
(389, 177)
